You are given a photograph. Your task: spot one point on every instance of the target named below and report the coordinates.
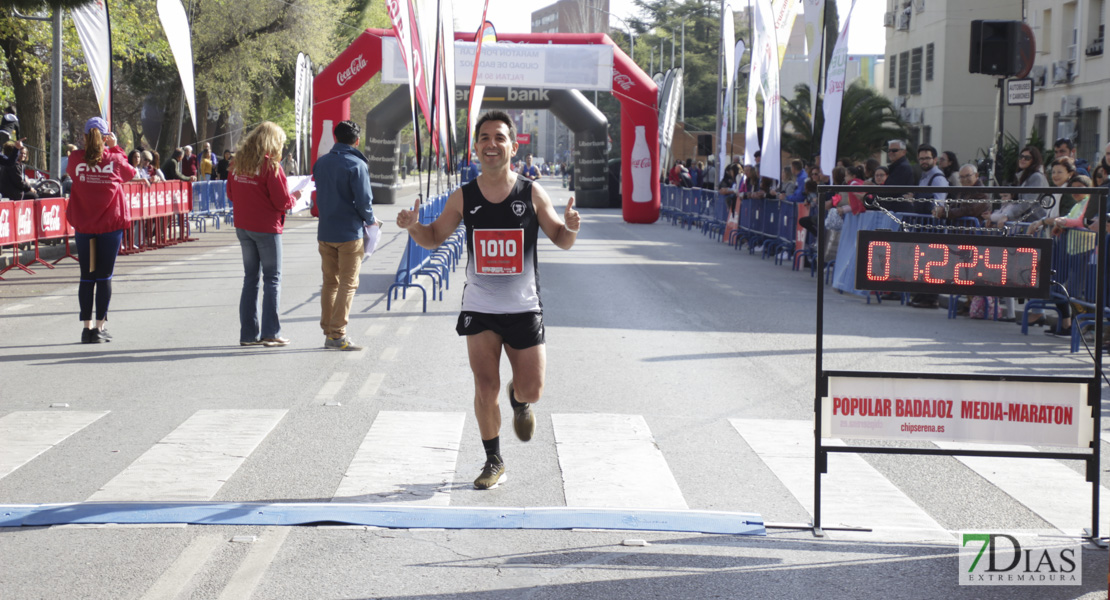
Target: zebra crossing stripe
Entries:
(406, 457)
(853, 493)
(1049, 488)
(27, 434)
(195, 459)
(612, 461)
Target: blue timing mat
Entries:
(381, 515)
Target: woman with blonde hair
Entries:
(98, 212)
(258, 191)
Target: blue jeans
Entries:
(261, 257)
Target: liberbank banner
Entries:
(550, 66)
(958, 410)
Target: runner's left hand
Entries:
(570, 216)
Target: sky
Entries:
(514, 16)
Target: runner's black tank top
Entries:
(502, 277)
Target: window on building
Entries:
(1046, 30)
(915, 71)
(926, 135)
(904, 74)
(914, 140)
(929, 62)
(1094, 21)
(1088, 144)
(1040, 127)
(892, 69)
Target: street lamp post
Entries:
(631, 32)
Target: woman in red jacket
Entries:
(258, 191)
(99, 214)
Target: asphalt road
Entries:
(674, 347)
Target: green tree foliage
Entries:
(867, 121)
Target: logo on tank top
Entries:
(466, 321)
(518, 207)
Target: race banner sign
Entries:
(958, 410)
(550, 66)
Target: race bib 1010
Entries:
(499, 251)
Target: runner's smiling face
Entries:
(495, 149)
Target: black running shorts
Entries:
(518, 330)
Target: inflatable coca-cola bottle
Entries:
(641, 167)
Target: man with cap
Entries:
(9, 126)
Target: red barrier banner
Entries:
(24, 221)
(7, 223)
(133, 199)
(160, 207)
(51, 222)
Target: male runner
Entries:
(501, 305)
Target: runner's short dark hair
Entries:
(927, 148)
(496, 115)
(347, 132)
(1064, 142)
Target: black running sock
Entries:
(512, 402)
(493, 448)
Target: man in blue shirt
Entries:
(344, 201)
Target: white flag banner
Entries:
(298, 108)
(814, 13)
(730, 95)
(728, 35)
(176, 26)
(771, 159)
(755, 83)
(784, 13)
(95, 33)
(834, 96)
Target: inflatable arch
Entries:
(591, 132)
(636, 92)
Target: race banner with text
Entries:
(1037, 413)
(549, 66)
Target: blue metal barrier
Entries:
(436, 264)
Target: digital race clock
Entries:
(938, 263)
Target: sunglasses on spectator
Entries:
(1025, 157)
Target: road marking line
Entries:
(370, 388)
(176, 579)
(331, 387)
(612, 460)
(412, 318)
(16, 307)
(406, 457)
(373, 330)
(1049, 488)
(51, 298)
(26, 434)
(853, 493)
(194, 460)
(156, 269)
(254, 566)
(390, 353)
(404, 330)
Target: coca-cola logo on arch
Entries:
(641, 163)
(624, 81)
(357, 64)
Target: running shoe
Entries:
(343, 343)
(104, 334)
(251, 343)
(524, 420)
(491, 474)
(278, 341)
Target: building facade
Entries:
(928, 78)
(1070, 74)
(552, 140)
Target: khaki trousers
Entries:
(340, 264)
